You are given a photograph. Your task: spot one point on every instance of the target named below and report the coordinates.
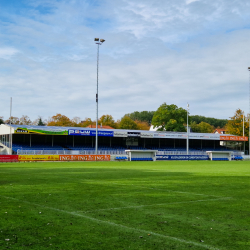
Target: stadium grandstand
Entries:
(26, 139)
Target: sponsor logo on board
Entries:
(85, 132)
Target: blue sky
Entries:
(173, 51)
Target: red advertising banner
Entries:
(233, 138)
(84, 157)
(8, 158)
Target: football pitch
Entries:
(125, 205)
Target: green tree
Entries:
(143, 116)
(107, 120)
(40, 122)
(202, 127)
(1, 120)
(127, 123)
(170, 118)
(212, 121)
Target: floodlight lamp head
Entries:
(96, 40)
(102, 40)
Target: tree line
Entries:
(61, 120)
(165, 118)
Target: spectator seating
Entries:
(220, 159)
(237, 158)
(121, 158)
(141, 159)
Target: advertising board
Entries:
(38, 157)
(181, 157)
(120, 134)
(8, 158)
(85, 132)
(197, 136)
(233, 138)
(63, 158)
(84, 157)
(134, 134)
(147, 135)
(21, 130)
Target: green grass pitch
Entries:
(125, 205)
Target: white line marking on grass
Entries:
(118, 225)
(162, 204)
(165, 190)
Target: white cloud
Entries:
(191, 1)
(7, 52)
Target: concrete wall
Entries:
(5, 129)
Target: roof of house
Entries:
(220, 131)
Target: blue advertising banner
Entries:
(181, 157)
(86, 132)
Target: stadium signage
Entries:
(134, 134)
(38, 157)
(181, 157)
(103, 133)
(120, 134)
(159, 135)
(233, 138)
(147, 135)
(8, 158)
(21, 130)
(83, 132)
(79, 132)
(184, 136)
(56, 158)
(84, 157)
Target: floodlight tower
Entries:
(244, 131)
(249, 115)
(10, 138)
(187, 130)
(98, 42)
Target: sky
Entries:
(173, 51)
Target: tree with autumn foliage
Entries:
(142, 125)
(235, 124)
(87, 122)
(60, 120)
(127, 123)
(13, 120)
(143, 116)
(25, 120)
(107, 120)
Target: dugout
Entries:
(219, 155)
(141, 155)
